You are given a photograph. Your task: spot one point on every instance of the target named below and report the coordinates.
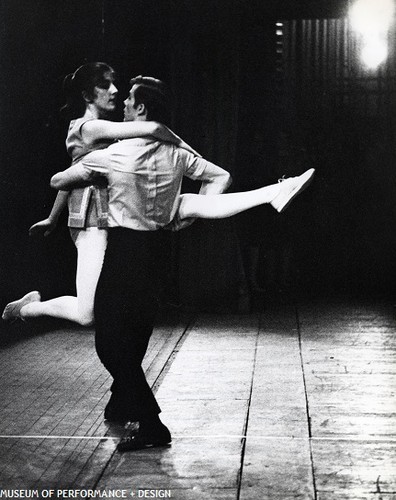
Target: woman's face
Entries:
(105, 95)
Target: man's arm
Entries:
(82, 173)
(215, 180)
(73, 177)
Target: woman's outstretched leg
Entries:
(221, 206)
(91, 246)
(65, 307)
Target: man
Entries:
(144, 182)
(144, 177)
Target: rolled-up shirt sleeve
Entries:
(196, 168)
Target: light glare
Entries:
(372, 16)
(374, 53)
(371, 20)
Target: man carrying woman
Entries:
(144, 181)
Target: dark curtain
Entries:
(194, 47)
(205, 74)
(221, 59)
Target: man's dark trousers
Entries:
(126, 304)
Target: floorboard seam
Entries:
(360, 439)
(168, 363)
(306, 402)
(244, 436)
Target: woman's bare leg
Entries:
(91, 246)
(221, 206)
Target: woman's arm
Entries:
(97, 130)
(46, 226)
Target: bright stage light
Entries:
(374, 53)
(371, 19)
(372, 16)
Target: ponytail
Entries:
(83, 80)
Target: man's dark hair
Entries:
(154, 94)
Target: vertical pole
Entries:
(103, 55)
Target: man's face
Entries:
(130, 112)
(105, 96)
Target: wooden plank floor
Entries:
(294, 402)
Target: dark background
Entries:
(258, 103)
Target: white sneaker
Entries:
(290, 188)
(12, 310)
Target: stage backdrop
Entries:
(243, 74)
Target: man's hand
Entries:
(177, 224)
(45, 227)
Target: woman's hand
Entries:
(45, 227)
(164, 133)
(186, 146)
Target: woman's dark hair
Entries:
(155, 95)
(83, 81)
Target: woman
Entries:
(88, 226)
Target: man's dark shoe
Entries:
(140, 441)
